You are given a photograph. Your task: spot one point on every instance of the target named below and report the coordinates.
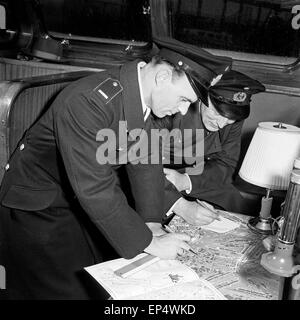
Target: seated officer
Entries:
(62, 206)
(223, 107)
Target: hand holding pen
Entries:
(169, 230)
(197, 213)
(214, 212)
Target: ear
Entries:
(163, 76)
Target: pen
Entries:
(169, 230)
(203, 204)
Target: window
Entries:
(252, 26)
(2, 17)
(7, 26)
(112, 19)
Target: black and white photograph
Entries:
(150, 153)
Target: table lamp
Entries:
(268, 163)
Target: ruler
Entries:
(136, 266)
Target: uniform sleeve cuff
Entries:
(189, 190)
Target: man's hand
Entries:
(179, 180)
(169, 245)
(193, 213)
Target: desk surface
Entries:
(231, 260)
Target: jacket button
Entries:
(7, 167)
(22, 146)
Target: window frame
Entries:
(94, 39)
(255, 58)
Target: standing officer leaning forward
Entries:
(60, 209)
(224, 104)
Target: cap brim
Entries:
(231, 111)
(200, 89)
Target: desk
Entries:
(231, 260)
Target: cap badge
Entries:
(239, 97)
(216, 79)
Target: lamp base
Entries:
(281, 261)
(260, 225)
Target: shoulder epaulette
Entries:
(108, 89)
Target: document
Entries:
(221, 226)
(163, 279)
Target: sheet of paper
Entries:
(161, 274)
(222, 226)
(154, 281)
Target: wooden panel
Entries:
(12, 71)
(16, 69)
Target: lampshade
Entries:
(270, 157)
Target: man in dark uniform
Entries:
(62, 206)
(224, 105)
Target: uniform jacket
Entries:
(221, 153)
(55, 163)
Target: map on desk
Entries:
(229, 261)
